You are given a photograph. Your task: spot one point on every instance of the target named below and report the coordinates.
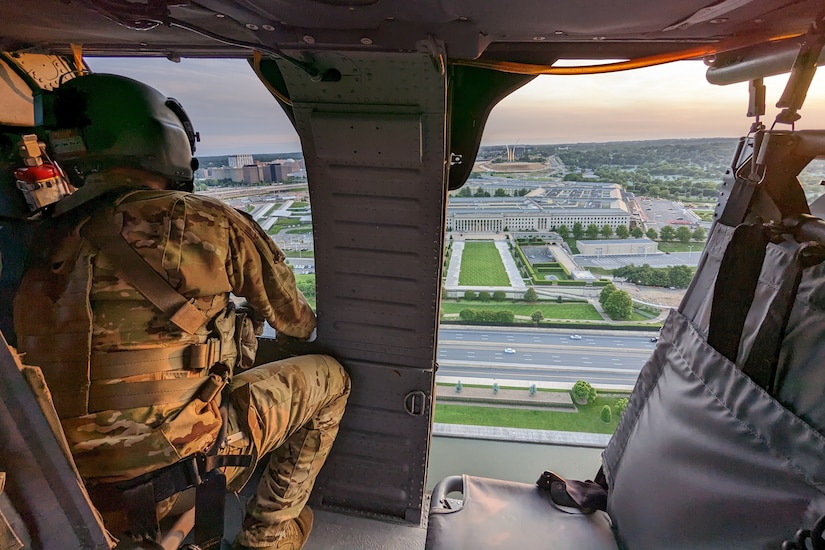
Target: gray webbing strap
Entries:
(105, 236)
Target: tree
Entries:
(465, 192)
(468, 315)
(563, 231)
(680, 276)
(458, 387)
(537, 316)
(500, 193)
(469, 295)
(592, 231)
(619, 305)
(606, 292)
(499, 296)
(481, 193)
(578, 230)
(606, 231)
(583, 392)
(683, 234)
(667, 233)
(504, 317)
(621, 405)
(637, 232)
(622, 232)
(607, 414)
(531, 295)
(699, 234)
(651, 234)
(532, 390)
(495, 387)
(484, 296)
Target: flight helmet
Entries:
(101, 121)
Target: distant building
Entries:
(544, 209)
(615, 247)
(251, 174)
(225, 173)
(239, 161)
(275, 172)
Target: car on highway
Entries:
(575, 337)
(654, 338)
(509, 350)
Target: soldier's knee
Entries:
(338, 377)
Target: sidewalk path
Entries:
(510, 265)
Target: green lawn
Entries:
(481, 265)
(306, 284)
(586, 420)
(681, 247)
(300, 254)
(281, 224)
(300, 230)
(576, 310)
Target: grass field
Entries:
(300, 254)
(586, 420)
(681, 247)
(578, 311)
(305, 282)
(481, 265)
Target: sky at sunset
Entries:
(235, 114)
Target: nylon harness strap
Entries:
(120, 364)
(735, 288)
(763, 359)
(733, 295)
(106, 236)
(142, 494)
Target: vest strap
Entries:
(121, 364)
(132, 395)
(102, 233)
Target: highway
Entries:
(599, 357)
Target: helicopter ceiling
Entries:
(492, 31)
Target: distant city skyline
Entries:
(236, 115)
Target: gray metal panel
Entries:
(355, 139)
(378, 218)
(41, 482)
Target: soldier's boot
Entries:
(291, 535)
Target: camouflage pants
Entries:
(291, 408)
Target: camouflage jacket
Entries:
(72, 307)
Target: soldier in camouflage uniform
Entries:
(124, 381)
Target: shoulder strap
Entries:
(104, 234)
(735, 286)
(763, 359)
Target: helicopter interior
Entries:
(389, 100)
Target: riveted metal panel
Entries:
(374, 146)
(392, 140)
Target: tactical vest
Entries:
(124, 412)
